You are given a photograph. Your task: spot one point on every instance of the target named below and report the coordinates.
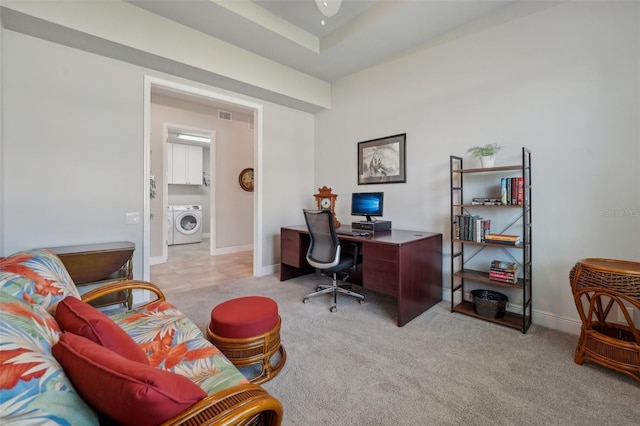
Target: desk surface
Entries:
(393, 236)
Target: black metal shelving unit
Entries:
(462, 250)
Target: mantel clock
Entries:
(327, 201)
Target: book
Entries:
(502, 242)
(504, 275)
(503, 280)
(503, 237)
(520, 191)
(503, 190)
(486, 229)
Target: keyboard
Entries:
(352, 233)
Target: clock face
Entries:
(246, 179)
(325, 203)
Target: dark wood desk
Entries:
(404, 264)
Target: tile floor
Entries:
(190, 266)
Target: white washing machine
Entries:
(170, 226)
(187, 224)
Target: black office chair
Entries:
(325, 254)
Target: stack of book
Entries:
(509, 240)
(505, 272)
(481, 201)
(470, 227)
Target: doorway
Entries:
(194, 94)
(199, 194)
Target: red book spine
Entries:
(506, 275)
(520, 190)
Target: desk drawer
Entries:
(380, 251)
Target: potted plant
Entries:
(486, 153)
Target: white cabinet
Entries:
(185, 164)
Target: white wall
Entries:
(562, 82)
(73, 151)
(72, 147)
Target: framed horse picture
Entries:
(383, 160)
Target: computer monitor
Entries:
(367, 204)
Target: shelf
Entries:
(489, 169)
(484, 206)
(476, 243)
(483, 277)
(509, 320)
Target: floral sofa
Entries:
(64, 362)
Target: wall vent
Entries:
(224, 115)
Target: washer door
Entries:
(187, 223)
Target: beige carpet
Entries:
(356, 367)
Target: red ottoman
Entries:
(247, 331)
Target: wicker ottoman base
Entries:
(260, 357)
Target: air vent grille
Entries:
(224, 115)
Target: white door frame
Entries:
(258, 236)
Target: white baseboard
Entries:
(267, 270)
(234, 249)
(157, 260)
(541, 318)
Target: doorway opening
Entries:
(194, 94)
(189, 155)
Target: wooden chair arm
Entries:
(124, 285)
(239, 405)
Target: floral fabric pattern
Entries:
(38, 277)
(33, 386)
(174, 343)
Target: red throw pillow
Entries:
(126, 391)
(77, 317)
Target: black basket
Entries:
(489, 303)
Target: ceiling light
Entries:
(328, 7)
(194, 138)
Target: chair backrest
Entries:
(324, 250)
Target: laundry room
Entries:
(199, 151)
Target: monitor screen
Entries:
(367, 204)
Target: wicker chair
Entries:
(601, 289)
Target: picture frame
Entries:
(383, 160)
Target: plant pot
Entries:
(487, 161)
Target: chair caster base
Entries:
(334, 308)
(361, 301)
(305, 300)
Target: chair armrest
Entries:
(125, 285)
(242, 404)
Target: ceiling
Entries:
(363, 33)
